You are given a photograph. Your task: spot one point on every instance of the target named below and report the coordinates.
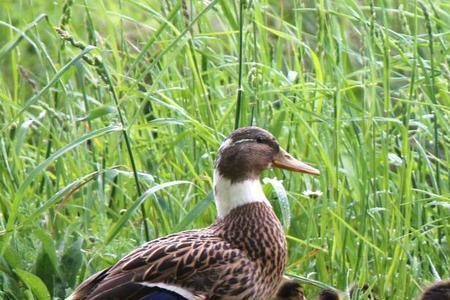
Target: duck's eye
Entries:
(259, 140)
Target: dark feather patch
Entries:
(156, 255)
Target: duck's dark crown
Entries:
(246, 153)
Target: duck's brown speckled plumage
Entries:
(231, 259)
(241, 256)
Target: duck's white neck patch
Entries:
(231, 195)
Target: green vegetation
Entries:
(96, 96)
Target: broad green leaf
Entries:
(12, 257)
(71, 262)
(46, 262)
(44, 269)
(282, 200)
(34, 283)
(48, 246)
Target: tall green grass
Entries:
(111, 113)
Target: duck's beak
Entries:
(284, 160)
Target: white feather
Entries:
(231, 195)
(225, 144)
(173, 288)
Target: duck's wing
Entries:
(197, 262)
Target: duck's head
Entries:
(328, 294)
(244, 154)
(289, 290)
(440, 290)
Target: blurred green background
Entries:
(97, 95)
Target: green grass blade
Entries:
(135, 205)
(56, 77)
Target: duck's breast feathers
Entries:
(197, 261)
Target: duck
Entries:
(242, 255)
(289, 290)
(328, 294)
(439, 290)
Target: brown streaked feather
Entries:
(87, 286)
(232, 259)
